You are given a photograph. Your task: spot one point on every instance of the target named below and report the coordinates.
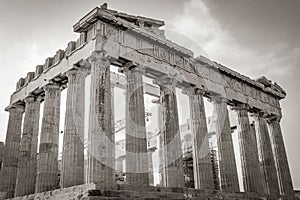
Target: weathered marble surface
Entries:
(11, 153)
(120, 40)
(203, 174)
(227, 163)
(100, 137)
(283, 171)
(73, 144)
(266, 158)
(27, 165)
(170, 132)
(137, 171)
(47, 170)
(94, 192)
(252, 179)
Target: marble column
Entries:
(283, 170)
(228, 171)
(100, 138)
(27, 165)
(170, 136)
(11, 152)
(203, 174)
(248, 151)
(73, 144)
(47, 170)
(136, 139)
(266, 158)
(259, 187)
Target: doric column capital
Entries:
(71, 72)
(273, 118)
(83, 63)
(78, 71)
(240, 107)
(133, 67)
(32, 98)
(138, 69)
(98, 55)
(260, 114)
(166, 81)
(53, 86)
(15, 108)
(193, 91)
(218, 99)
(29, 99)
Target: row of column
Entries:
(26, 172)
(23, 173)
(264, 162)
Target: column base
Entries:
(93, 192)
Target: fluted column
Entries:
(27, 165)
(203, 175)
(260, 188)
(283, 170)
(266, 158)
(47, 171)
(11, 152)
(101, 139)
(171, 142)
(248, 151)
(227, 163)
(136, 139)
(73, 144)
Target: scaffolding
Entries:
(215, 167)
(188, 170)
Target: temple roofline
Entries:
(97, 12)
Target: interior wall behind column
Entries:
(87, 93)
(152, 128)
(40, 125)
(63, 101)
(234, 126)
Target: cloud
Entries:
(197, 22)
(279, 61)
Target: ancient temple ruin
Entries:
(139, 48)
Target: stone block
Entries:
(83, 38)
(90, 33)
(71, 47)
(38, 70)
(20, 83)
(48, 63)
(60, 54)
(29, 77)
(78, 44)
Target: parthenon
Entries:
(138, 47)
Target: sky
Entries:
(253, 37)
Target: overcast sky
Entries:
(254, 37)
